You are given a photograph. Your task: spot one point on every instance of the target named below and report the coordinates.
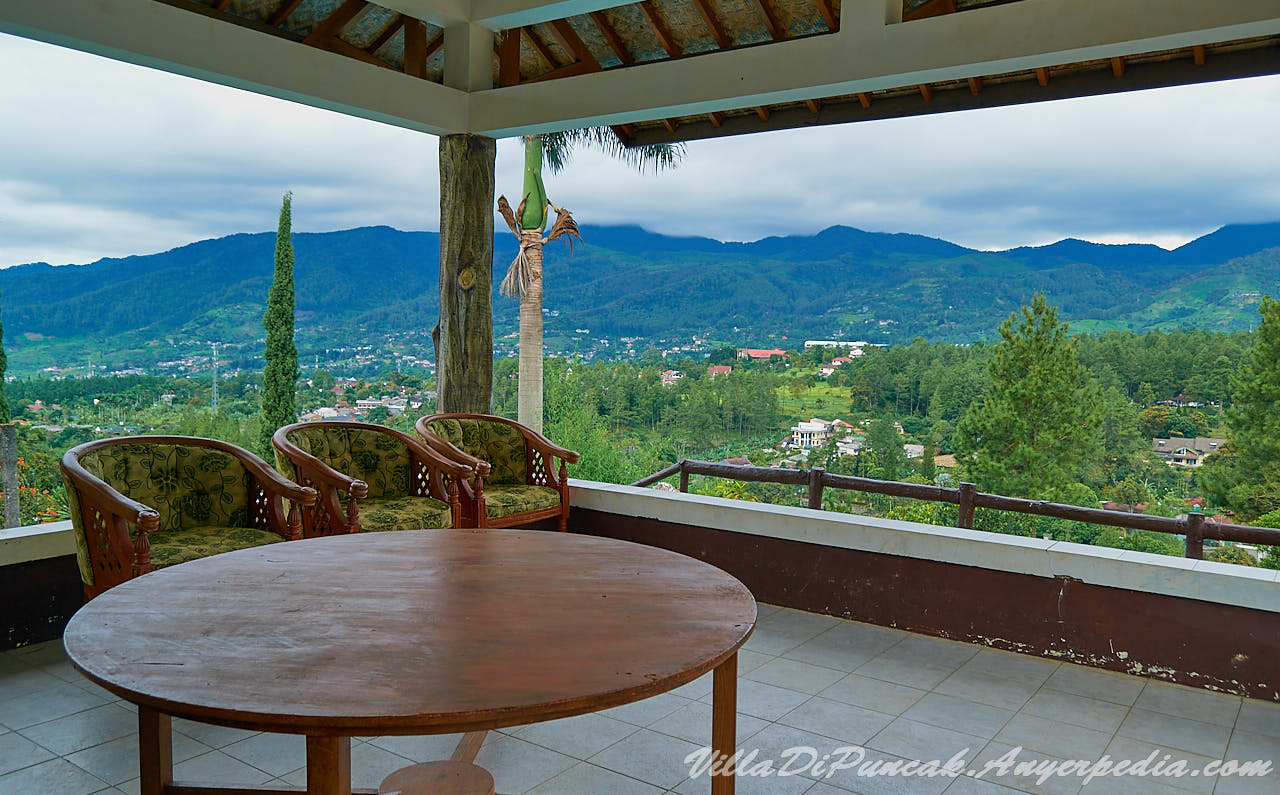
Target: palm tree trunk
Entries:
(530, 386)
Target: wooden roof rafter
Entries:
(615, 41)
(660, 29)
(713, 23)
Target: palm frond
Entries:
(558, 149)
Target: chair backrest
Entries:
(369, 454)
(499, 443)
(189, 485)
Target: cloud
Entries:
(101, 158)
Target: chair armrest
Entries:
(456, 468)
(95, 491)
(545, 445)
(273, 482)
(318, 470)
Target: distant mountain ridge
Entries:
(626, 281)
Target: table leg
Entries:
(724, 717)
(155, 751)
(328, 765)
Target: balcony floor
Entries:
(806, 680)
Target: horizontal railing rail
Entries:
(1196, 528)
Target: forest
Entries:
(1086, 416)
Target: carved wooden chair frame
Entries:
(431, 475)
(540, 453)
(105, 513)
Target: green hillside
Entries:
(371, 286)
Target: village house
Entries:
(760, 354)
(1184, 451)
(670, 377)
(719, 369)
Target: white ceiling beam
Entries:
(440, 13)
(866, 55)
(507, 14)
(174, 40)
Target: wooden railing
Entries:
(1195, 527)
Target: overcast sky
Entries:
(101, 158)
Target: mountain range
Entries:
(366, 283)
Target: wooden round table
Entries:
(415, 632)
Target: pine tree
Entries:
(280, 375)
(1254, 418)
(1035, 431)
(4, 365)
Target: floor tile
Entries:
(846, 646)
(654, 758)
(968, 785)
(518, 766)
(1008, 665)
(1182, 733)
(1259, 717)
(217, 767)
(46, 703)
(1096, 683)
(789, 750)
(1078, 710)
(82, 730)
(1053, 738)
(874, 694)
(585, 735)
(940, 651)
(837, 720)
(960, 715)
(974, 685)
(584, 779)
(914, 740)
(987, 764)
(55, 776)
(764, 701)
(429, 748)
(1188, 702)
(210, 735)
(1245, 747)
(17, 752)
(693, 723)
(643, 713)
(795, 675)
(276, 754)
(775, 640)
(880, 773)
(117, 761)
(1124, 749)
(371, 764)
(905, 668)
(697, 688)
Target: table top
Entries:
(412, 632)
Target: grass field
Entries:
(819, 400)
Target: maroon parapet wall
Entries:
(1188, 641)
(37, 599)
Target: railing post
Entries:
(684, 475)
(1195, 536)
(815, 487)
(964, 516)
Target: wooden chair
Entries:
(391, 480)
(515, 481)
(139, 503)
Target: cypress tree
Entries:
(4, 365)
(1254, 418)
(1036, 430)
(280, 375)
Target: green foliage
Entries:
(1231, 554)
(1254, 419)
(280, 376)
(885, 447)
(4, 365)
(1035, 432)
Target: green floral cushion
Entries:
(377, 458)
(170, 547)
(190, 486)
(500, 444)
(404, 513)
(505, 500)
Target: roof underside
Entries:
(666, 70)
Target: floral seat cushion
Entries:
(170, 547)
(404, 513)
(504, 500)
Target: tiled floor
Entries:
(806, 680)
